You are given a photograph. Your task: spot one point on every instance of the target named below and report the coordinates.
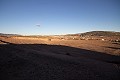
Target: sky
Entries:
(58, 17)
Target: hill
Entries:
(101, 33)
(91, 33)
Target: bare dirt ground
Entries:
(54, 59)
(108, 47)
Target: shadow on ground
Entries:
(55, 62)
(113, 47)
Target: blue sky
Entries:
(58, 16)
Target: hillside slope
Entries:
(101, 33)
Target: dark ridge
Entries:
(101, 33)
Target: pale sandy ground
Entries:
(41, 59)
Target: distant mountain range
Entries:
(2, 34)
(91, 33)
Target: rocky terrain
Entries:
(88, 56)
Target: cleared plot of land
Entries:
(105, 46)
(55, 59)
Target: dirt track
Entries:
(55, 62)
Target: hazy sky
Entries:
(58, 16)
